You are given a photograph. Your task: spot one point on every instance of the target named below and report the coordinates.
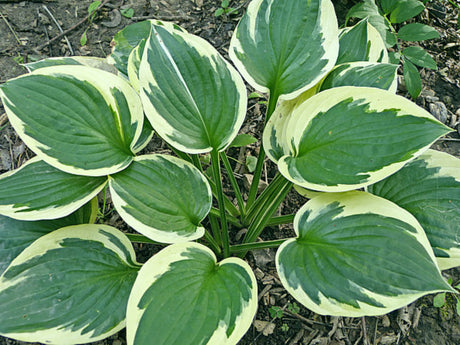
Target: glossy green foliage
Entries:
(334, 125)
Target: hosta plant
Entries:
(333, 128)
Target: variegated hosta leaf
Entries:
(194, 99)
(349, 137)
(361, 73)
(16, 235)
(275, 137)
(285, 47)
(361, 42)
(277, 145)
(39, 191)
(429, 188)
(369, 9)
(125, 41)
(69, 287)
(162, 197)
(183, 296)
(79, 119)
(357, 254)
(134, 62)
(90, 61)
(145, 137)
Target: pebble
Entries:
(427, 93)
(447, 100)
(432, 99)
(5, 160)
(439, 111)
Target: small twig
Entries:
(46, 33)
(60, 28)
(11, 29)
(448, 139)
(10, 145)
(41, 46)
(359, 339)
(375, 331)
(363, 325)
(335, 325)
(3, 119)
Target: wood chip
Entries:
(265, 327)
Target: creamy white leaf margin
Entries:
(159, 264)
(357, 64)
(52, 212)
(326, 24)
(354, 203)
(379, 100)
(160, 125)
(90, 61)
(448, 166)
(90, 232)
(377, 48)
(103, 81)
(151, 232)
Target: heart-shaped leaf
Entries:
(79, 119)
(69, 287)
(429, 188)
(357, 254)
(39, 191)
(183, 285)
(149, 195)
(16, 235)
(349, 137)
(193, 98)
(285, 47)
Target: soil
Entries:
(26, 29)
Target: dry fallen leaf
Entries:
(265, 327)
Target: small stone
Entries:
(427, 93)
(447, 100)
(439, 111)
(431, 99)
(263, 257)
(5, 160)
(389, 339)
(43, 19)
(116, 342)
